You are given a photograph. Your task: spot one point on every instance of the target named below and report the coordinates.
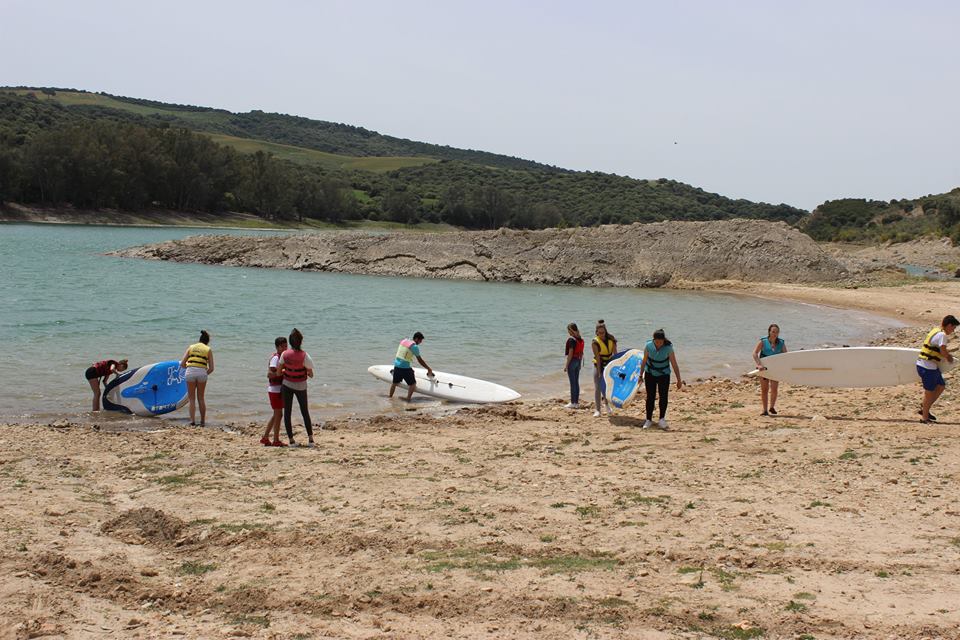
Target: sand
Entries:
(836, 519)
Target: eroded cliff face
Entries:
(637, 255)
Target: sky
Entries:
(773, 101)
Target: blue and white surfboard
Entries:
(150, 390)
(622, 376)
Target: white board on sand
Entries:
(449, 386)
(845, 367)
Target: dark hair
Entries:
(610, 336)
(573, 327)
(660, 334)
(417, 336)
(279, 341)
(296, 339)
(770, 328)
(204, 336)
(951, 320)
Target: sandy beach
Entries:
(836, 519)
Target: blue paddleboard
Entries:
(622, 376)
(149, 390)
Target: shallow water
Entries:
(65, 305)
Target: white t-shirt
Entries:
(298, 386)
(274, 363)
(938, 340)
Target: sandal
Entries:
(265, 441)
(277, 443)
(773, 411)
(932, 417)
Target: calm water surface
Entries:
(65, 305)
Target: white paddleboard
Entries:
(150, 390)
(449, 386)
(622, 376)
(846, 367)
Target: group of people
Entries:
(658, 359)
(289, 367)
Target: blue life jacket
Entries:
(767, 350)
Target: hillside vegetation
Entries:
(85, 149)
(858, 219)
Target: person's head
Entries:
(573, 330)
(122, 365)
(600, 329)
(296, 339)
(950, 324)
(660, 338)
(280, 343)
(204, 336)
(773, 332)
(418, 337)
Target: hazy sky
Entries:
(795, 102)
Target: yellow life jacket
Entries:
(606, 350)
(927, 350)
(198, 355)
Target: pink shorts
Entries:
(276, 400)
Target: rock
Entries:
(636, 255)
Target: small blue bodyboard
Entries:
(622, 376)
(150, 390)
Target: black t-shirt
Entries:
(571, 346)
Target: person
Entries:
(274, 393)
(658, 357)
(403, 365)
(198, 361)
(932, 352)
(102, 369)
(574, 352)
(604, 346)
(771, 345)
(295, 365)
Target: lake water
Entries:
(65, 305)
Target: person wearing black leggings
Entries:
(295, 366)
(658, 358)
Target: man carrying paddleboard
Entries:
(932, 351)
(403, 364)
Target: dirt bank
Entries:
(638, 255)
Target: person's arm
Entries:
(210, 363)
(596, 355)
(643, 365)
(183, 361)
(280, 367)
(569, 356)
(425, 366)
(784, 345)
(756, 355)
(676, 369)
(944, 353)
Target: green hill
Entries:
(858, 219)
(97, 150)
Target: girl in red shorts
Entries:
(274, 393)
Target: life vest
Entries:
(606, 351)
(103, 367)
(658, 367)
(578, 348)
(198, 355)
(404, 351)
(293, 369)
(927, 350)
(769, 350)
(273, 380)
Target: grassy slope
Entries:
(201, 119)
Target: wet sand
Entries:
(836, 519)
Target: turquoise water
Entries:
(65, 305)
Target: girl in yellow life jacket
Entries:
(604, 346)
(198, 361)
(932, 352)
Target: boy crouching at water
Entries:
(274, 392)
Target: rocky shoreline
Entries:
(637, 255)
